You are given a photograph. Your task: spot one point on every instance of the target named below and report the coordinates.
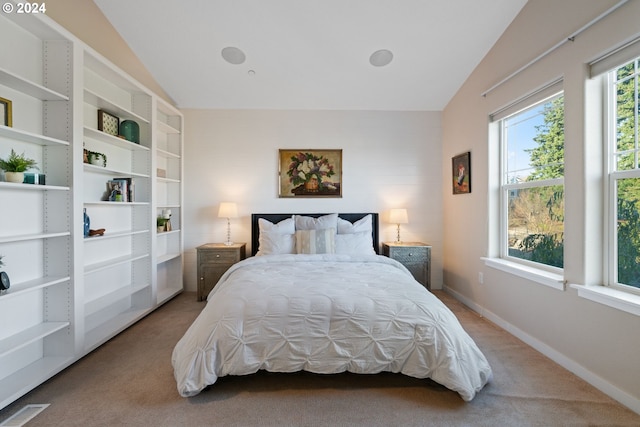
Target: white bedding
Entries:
(326, 314)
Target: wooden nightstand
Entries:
(415, 256)
(214, 259)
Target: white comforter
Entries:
(326, 314)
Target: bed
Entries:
(317, 297)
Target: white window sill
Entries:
(547, 278)
(620, 300)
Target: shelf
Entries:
(21, 288)
(117, 324)
(167, 257)
(92, 268)
(110, 171)
(166, 128)
(32, 187)
(168, 180)
(37, 236)
(112, 235)
(166, 233)
(34, 138)
(113, 140)
(25, 379)
(103, 104)
(116, 204)
(104, 301)
(27, 87)
(165, 295)
(170, 205)
(28, 336)
(167, 154)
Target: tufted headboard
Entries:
(351, 217)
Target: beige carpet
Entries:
(129, 382)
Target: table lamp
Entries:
(228, 210)
(398, 216)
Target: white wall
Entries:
(599, 343)
(390, 159)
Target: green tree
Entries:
(548, 157)
(542, 208)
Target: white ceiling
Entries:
(311, 54)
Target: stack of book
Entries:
(121, 190)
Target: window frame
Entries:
(546, 94)
(613, 175)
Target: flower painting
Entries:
(310, 173)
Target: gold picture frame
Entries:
(310, 173)
(6, 113)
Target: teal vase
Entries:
(130, 130)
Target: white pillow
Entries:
(363, 224)
(316, 241)
(321, 223)
(360, 243)
(286, 226)
(276, 238)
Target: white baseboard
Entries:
(571, 365)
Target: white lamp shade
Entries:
(228, 210)
(398, 216)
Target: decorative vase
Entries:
(130, 130)
(14, 177)
(87, 223)
(312, 185)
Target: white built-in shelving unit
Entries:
(70, 293)
(167, 191)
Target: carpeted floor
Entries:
(129, 382)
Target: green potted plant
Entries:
(96, 158)
(161, 223)
(15, 165)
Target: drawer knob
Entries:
(410, 254)
(217, 255)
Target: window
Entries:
(532, 182)
(624, 175)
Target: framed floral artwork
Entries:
(461, 173)
(310, 173)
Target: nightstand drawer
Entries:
(411, 255)
(217, 256)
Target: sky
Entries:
(521, 129)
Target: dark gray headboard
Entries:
(351, 217)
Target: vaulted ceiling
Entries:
(311, 54)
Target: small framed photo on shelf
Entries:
(108, 123)
(6, 115)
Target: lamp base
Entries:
(228, 243)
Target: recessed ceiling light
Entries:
(381, 57)
(233, 55)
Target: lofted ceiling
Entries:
(311, 54)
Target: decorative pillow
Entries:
(321, 223)
(363, 224)
(276, 238)
(274, 243)
(360, 243)
(316, 241)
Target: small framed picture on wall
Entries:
(461, 173)
(5, 112)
